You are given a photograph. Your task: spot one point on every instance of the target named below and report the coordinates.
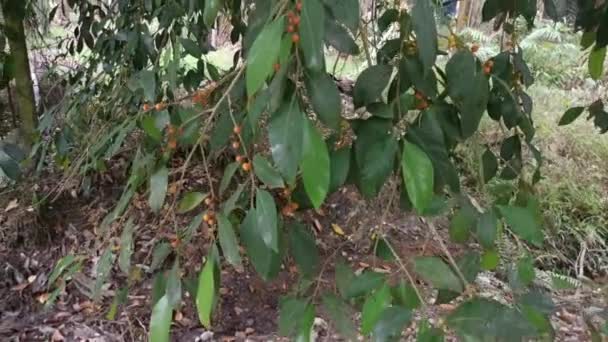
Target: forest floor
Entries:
(247, 307)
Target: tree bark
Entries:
(15, 33)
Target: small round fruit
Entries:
(239, 159)
(290, 14)
(291, 28)
(172, 144)
(237, 129)
(246, 167)
(206, 217)
(147, 107)
(211, 222)
(295, 20)
(295, 38)
(299, 6)
(159, 106)
(208, 201)
(236, 145)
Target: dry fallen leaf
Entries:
(337, 229)
(43, 298)
(19, 287)
(12, 205)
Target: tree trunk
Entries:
(13, 15)
(463, 14)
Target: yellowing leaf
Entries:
(337, 229)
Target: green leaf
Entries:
(371, 84)
(191, 47)
(228, 242)
(339, 166)
(60, 267)
(262, 56)
(375, 150)
(438, 273)
(363, 284)
(389, 16)
(487, 228)
(423, 20)
(311, 34)
(291, 311)
(267, 173)
(525, 271)
(460, 226)
(148, 124)
(305, 325)
(345, 12)
(338, 37)
(160, 253)
(489, 165)
(490, 260)
(174, 286)
(405, 295)
(523, 222)
(391, 323)
(570, 115)
(303, 249)
(102, 272)
(206, 291)
(427, 333)
(229, 174)
(285, 133)
(340, 314)
(596, 63)
(267, 219)
(160, 322)
(190, 201)
(417, 171)
(265, 261)
(158, 188)
(315, 165)
(373, 307)
(126, 247)
(325, 98)
(147, 81)
(469, 88)
(212, 7)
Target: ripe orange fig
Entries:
(246, 167)
(206, 217)
(237, 129)
(211, 222)
(295, 20)
(290, 28)
(147, 107)
(159, 106)
(295, 38)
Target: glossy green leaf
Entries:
(523, 222)
(460, 226)
(487, 228)
(286, 135)
(126, 247)
(373, 307)
(375, 151)
(267, 173)
(160, 253)
(305, 325)
(489, 165)
(148, 124)
(570, 115)
(438, 273)
(228, 175)
(303, 249)
(371, 84)
(315, 165)
(311, 30)
(191, 47)
(265, 261)
(423, 20)
(596, 63)
(266, 211)
(490, 260)
(525, 271)
(390, 324)
(405, 295)
(363, 284)
(159, 286)
(325, 98)
(190, 201)
(417, 171)
(427, 333)
(291, 311)
(60, 267)
(228, 241)
(469, 88)
(345, 12)
(340, 314)
(160, 322)
(212, 7)
(339, 166)
(262, 56)
(339, 38)
(158, 188)
(174, 286)
(206, 291)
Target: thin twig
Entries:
(407, 273)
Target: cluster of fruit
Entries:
(236, 145)
(202, 96)
(209, 216)
(159, 106)
(172, 135)
(293, 20)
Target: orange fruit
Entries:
(159, 106)
(299, 6)
(246, 167)
(295, 38)
(239, 159)
(236, 145)
(208, 200)
(237, 129)
(295, 20)
(172, 145)
(147, 107)
(211, 222)
(290, 28)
